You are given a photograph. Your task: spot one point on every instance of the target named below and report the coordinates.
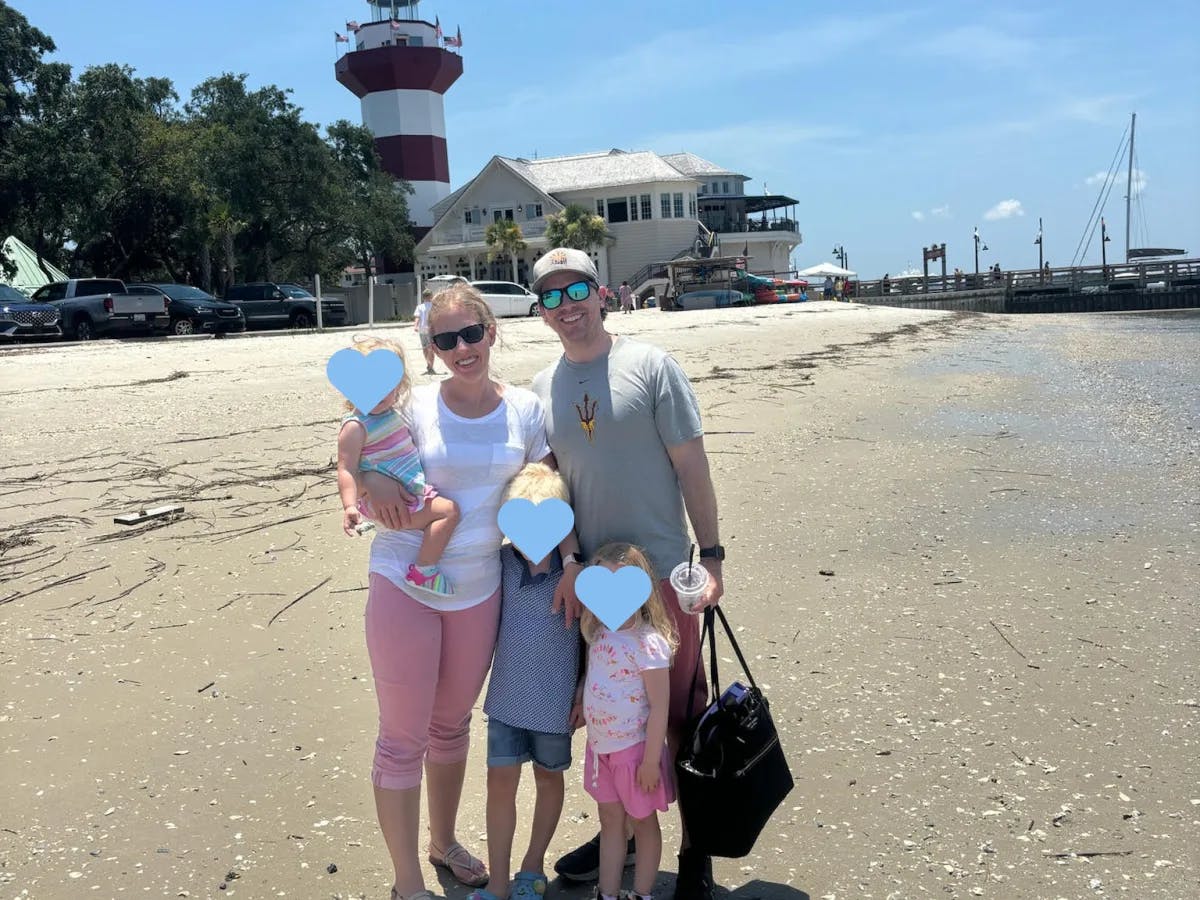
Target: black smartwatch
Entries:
(715, 552)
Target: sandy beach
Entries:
(992, 693)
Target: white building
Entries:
(657, 208)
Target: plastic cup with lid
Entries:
(690, 582)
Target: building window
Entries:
(645, 206)
(704, 189)
(716, 188)
(666, 206)
(724, 187)
(618, 210)
(679, 206)
(691, 206)
(600, 208)
(467, 217)
(633, 209)
(415, 40)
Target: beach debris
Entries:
(331, 868)
(298, 599)
(206, 687)
(828, 573)
(144, 515)
(1014, 646)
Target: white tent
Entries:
(823, 269)
(28, 277)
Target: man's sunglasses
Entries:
(448, 340)
(553, 298)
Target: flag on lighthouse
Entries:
(437, 25)
(340, 38)
(353, 26)
(396, 26)
(455, 41)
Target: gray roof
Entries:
(592, 170)
(691, 164)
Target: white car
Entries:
(507, 299)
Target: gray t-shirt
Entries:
(609, 423)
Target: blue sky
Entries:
(894, 126)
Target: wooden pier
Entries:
(1114, 288)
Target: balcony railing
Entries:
(724, 226)
(474, 234)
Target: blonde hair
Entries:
(653, 612)
(364, 344)
(462, 295)
(537, 482)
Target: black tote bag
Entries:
(730, 772)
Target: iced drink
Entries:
(690, 582)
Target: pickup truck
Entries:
(268, 304)
(93, 307)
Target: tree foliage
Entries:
(110, 174)
(504, 238)
(575, 227)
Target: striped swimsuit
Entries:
(389, 450)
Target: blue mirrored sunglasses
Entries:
(553, 298)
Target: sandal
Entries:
(462, 865)
(481, 894)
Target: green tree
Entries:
(576, 227)
(504, 238)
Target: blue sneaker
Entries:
(528, 886)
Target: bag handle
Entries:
(708, 632)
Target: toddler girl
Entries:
(627, 769)
(380, 441)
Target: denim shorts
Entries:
(508, 746)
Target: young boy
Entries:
(530, 702)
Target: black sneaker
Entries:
(695, 878)
(583, 863)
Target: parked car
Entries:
(271, 304)
(194, 311)
(94, 307)
(21, 318)
(507, 299)
(439, 283)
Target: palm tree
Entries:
(575, 227)
(505, 238)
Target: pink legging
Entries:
(429, 667)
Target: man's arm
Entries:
(700, 498)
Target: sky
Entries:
(894, 126)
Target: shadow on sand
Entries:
(664, 887)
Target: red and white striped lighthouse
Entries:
(400, 71)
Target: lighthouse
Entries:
(400, 72)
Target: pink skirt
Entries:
(612, 778)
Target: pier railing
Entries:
(1115, 277)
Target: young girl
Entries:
(380, 441)
(625, 697)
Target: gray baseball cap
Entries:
(563, 259)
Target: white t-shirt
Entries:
(469, 461)
(422, 315)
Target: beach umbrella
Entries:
(823, 269)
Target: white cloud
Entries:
(919, 216)
(940, 212)
(1005, 209)
(1139, 180)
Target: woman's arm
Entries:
(658, 692)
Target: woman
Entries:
(429, 658)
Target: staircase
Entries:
(704, 246)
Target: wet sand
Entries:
(993, 694)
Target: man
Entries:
(421, 324)
(624, 427)
(827, 290)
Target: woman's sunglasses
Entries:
(553, 298)
(448, 340)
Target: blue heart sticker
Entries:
(365, 380)
(613, 596)
(535, 530)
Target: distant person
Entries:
(886, 284)
(958, 278)
(421, 326)
(626, 296)
(839, 288)
(605, 293)
(827, 290)
(670, 297)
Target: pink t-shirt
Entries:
(614, 697)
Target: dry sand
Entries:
(993, 694)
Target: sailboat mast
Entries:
(1129, 184)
